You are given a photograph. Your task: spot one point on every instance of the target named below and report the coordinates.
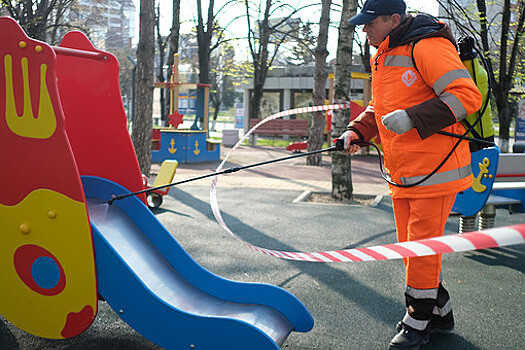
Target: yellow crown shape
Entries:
(27, 125)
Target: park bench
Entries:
(280, 127)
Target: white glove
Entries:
(397, 121)
(348, 136)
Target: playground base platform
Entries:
(185, 146)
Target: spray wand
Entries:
(339, 145)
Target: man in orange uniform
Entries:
(419, 86)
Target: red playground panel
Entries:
(90, 94)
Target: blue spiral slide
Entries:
(150, 281)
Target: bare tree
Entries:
(173, 40)
(341, 166)
(315, 139)
(363, 46)
(300, 50)
(38, 18)
(221, 76)
(56, 20)
(204, 35)
(174, 33)
(263, 35)
(364, 53)
(141, 132)
(162, 43)
(503, 54)
(209, 35)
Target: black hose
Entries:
(460, 137)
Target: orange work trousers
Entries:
(421, 218)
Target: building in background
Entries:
(291, 87)
(110, 24)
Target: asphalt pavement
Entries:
(354, 305)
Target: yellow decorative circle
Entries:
(22, 44)
(52, 214)
(490, 176)
(25, 228)
(38, 48)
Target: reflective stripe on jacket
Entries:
(436, 95)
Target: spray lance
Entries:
(339, 146)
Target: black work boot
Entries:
(442, 324)
(409, 338)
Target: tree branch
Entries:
(517, 39)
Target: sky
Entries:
(189, 10)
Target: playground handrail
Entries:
(78, 53)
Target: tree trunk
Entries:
(315, 139)
(503, 84)
(260, 59)
(174, 32)
(510, 37)
(504, 118)
(217, 106)
(141, 132)
(161, 44)
(204, 40)
(365, 57)
(259, 77)
(341, 166)
(173, 49)
(57, 18)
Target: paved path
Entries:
(291, 174)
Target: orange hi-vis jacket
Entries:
(436, 93)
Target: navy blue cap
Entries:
(375, 8)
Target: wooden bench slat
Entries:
(279, 127)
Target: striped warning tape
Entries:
(496, 237)
(302, 110)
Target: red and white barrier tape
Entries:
(496, 237)
(301, 110)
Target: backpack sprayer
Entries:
(468, 53)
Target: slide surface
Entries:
(158, 289)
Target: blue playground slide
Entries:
(159, 290)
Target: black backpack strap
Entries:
(413, 60)
(473, 131)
